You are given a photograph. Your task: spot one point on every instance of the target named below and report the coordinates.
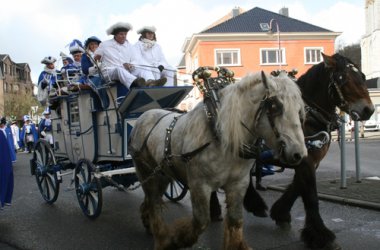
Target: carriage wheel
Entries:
(46, 175)
(176, 191)
(88, 189)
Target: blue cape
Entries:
(6, 171)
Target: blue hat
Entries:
(91, 39)
(26, 118)
(46, 112)
(76, 46)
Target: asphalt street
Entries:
(30, 223)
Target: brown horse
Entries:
(335, 82)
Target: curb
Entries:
(338, 199)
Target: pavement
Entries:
(363, 193)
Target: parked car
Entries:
(372, 125)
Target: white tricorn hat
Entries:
(120, 26)
(48, 60)
(146, 28)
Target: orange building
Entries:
(257, 40)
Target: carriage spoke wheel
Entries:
(88, 189)
(176, 191)
(46, 175)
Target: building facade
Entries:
(258, 40)
(370, 43)
(254, 40)
(14, 78)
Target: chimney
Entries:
(284, 11)
(235, 11)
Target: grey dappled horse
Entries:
(166, 145)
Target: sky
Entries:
(31, 30)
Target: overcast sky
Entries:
(31, 30)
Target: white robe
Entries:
(153, 57)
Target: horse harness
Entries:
(272, 107)
(331, 122)
(337, 80)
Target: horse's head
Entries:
(265, 107)
(280, 117)
(347, 87)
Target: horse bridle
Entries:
(336, 80)
(272, 107)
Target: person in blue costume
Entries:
(76, 50)
(29, 134)
(6, 169)
(69, 69)
(87, 61)
(47, 81)
(263, 169)
(45, 127)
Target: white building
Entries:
(370, 43)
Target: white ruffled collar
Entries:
(147, 44)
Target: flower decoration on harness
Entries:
(209, 87)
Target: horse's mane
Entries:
(240, 102)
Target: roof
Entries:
(249, 22)
(236, 11)
(2, 56)
(373, 83)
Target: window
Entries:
(227, 57)
(74, 112)
(270, 56)
(313, 55)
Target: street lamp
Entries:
(269, 29)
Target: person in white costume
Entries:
(152, 56)
(118, 58)
(16, 134)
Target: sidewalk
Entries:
(365, 194)
(373, 135)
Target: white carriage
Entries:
(90, 130)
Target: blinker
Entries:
(273, 106)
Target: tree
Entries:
(353, 52)
(19, 104)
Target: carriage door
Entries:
(74, 126)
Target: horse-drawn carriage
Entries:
(90, 129)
